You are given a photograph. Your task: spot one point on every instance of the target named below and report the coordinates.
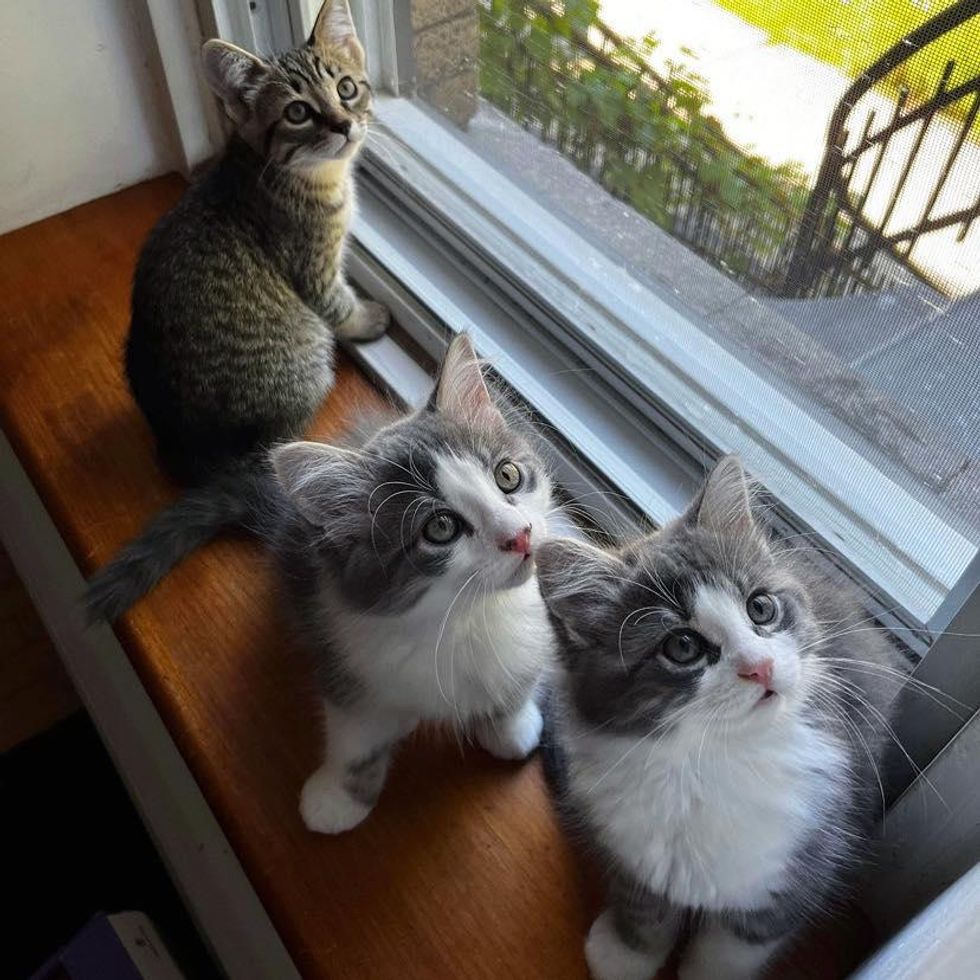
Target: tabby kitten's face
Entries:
(449, 502)
(302, 108)
(701, 620)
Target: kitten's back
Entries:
(222, 356)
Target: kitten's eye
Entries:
(682, 648)
(762, 608)
(508, 476)
(442, 529)
(297, 112)
(347, 88)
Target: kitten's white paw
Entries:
(326, 807)
(513, 737)
(609, 958)
(368, 322)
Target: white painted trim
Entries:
(232, 21)
(201, 862)
(941, 943)
(178, 34)
(377, 23)
(307, 11)
(301, 13)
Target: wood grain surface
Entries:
(462, 870)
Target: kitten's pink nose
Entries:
(520, 542)
(760, 672)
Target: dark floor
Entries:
(72, 845)
(35, 690)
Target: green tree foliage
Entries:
(648, 139)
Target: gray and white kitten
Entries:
(409, 560)
(717, 731)
(239, 292)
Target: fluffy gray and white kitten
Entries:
(717, 730)
(409, 559)
(239, 292)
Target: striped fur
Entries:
(239, 292)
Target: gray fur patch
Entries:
(641, 915)
(365, 777)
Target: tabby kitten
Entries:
(409, 559)
(239, 292)
(717, 730)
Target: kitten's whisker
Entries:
(413, 508)
(628, 581)
(568, 501)
(858, 696)
(379, 145)
(903, 680)
(712, 714)
(882, 629)
(368, 454)
(442, 630)
(377, 512)
(676, 716)
(388, 483)
(414, 469)
(849, 725)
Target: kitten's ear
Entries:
(460, 389)
(233, 75)
(315, 477)
(725, 502)
(334, 28)
(578, 581)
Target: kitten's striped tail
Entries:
(230, 499)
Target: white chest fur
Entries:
(451, 666)
(705, 820)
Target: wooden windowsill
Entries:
(462, 870)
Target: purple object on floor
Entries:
(119, 947)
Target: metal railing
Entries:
(838, 248)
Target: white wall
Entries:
(84, 109)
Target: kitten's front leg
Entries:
(343, 791)
(350, 317)
(512, 736)
(717, 952)
(631, 941)
(354, 318)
